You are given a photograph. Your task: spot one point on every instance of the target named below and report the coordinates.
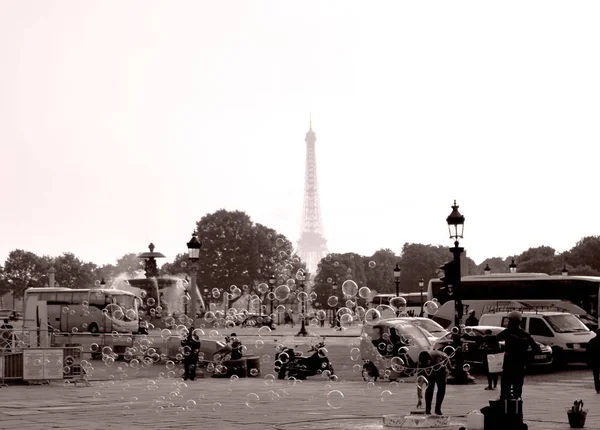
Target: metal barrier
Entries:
(12, 366)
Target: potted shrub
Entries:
(577, 415)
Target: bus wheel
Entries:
(94, 328)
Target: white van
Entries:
(445, 314)
(563, 332)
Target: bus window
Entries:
(64, 297)
(79, 297)
(97, 298)
(47, 297)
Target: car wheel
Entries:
(558, 358)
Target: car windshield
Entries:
(429, 325)
(565, 323)
(413, 333)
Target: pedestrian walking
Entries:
(491, 347)
(435, 366)
(472, 320)
(191, 350)
(516, 343)
(593, 353)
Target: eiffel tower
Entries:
(312, 246)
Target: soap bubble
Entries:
(449, 350)
(150, 301)
(349, 288)
(466, 367)
(430, 307)
(335, 399)
(364, 292)
(252, 400)
(386, 395)
(372, 315)
(263, 288)
(398, 303)
(372, 264)
(332, 301)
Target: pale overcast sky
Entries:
(124, 122)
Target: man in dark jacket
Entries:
(191, 350)
(438, 364)
(516, 343)
(593, 352)
(472, 320)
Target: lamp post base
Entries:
(303, 331)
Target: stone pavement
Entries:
(258, 403)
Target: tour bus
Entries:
(82, 310)
(579, 290)
(414, 302)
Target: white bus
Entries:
(414, 303)
(82, 310)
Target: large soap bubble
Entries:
(398, 303)
(349, 288)
(430, 307)
(282, 292)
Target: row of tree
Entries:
(238, 252)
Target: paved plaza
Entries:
(257, 403)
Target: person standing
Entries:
(593, 353)
(517, 341)
(190, 357)
(438, 363)
(472, 320)
(490, 346)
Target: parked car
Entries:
(562, 331)
(475, 350)
(386, 337)
(434, 329)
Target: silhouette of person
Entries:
(517, 341)
(190, 361)
(471, 321)
(593, 351)
(438, 364)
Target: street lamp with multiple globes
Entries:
(421, 285)
(512, 268)
(487, 270)
(300, 276)
(456, 223)
(194, 246)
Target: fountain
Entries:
(161, 296)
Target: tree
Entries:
(236, 253)
(338, 268)
(496, 265)
(23, 269)
(129, 264)
(420, 261)
(106, 272)
(586, 252)
(71, 272)
(379, 271)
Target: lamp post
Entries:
(194, 246)
(300, 276)
(512, 268)
(487, 270)
(421, 285)
(456, 224)
(335, 322)
(207, 304)
(102, 283)
(185, 305)
(272, 285)
(397, 272)
(564, 271)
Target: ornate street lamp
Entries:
(456, 223)
(193, 247)
(272, 286)
(397, 272)
(512, 268)
(336, 322)
(487, 270)
(300, 276)
(421, 285)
